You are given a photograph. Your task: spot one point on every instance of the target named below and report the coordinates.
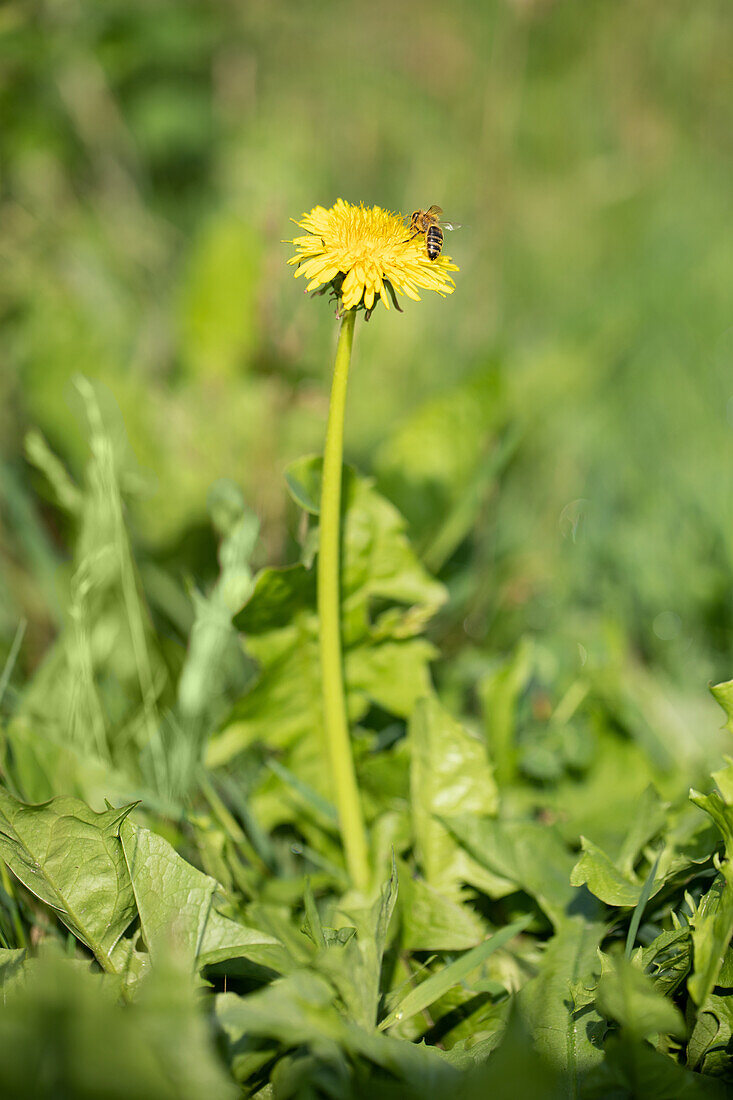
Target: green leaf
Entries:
(528, 854)
(293, 1010)
(724, 780)
(499, 692)
(212, 644)
(177, 905)
(628, 996)
(277, 597)
(649, 820)
(432, 922)
(387, 596)
(378, 561)
(44, 765)
(64, 1033)
(668, 958)
(355, 970)
(299, 1011)
(439, 983)
(312, 926)
(565, 1025)
(599, 805)
(723, 694)
(709, 1047)
(721, 813)
(130, 962)
(516, 1069)
(633, 1069)
(449, 772)
(303, 479)
(12, 968)
(604, 879)
(394, 674)
(71, 858)
(310, 798)
(712, 928)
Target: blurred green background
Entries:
(569, 409)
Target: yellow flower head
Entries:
(366, 253)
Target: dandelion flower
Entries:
(365, 253)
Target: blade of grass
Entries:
(439, 984)
(641, 906)
(320, 804)
(12, 657)
(313, 919)
(258, 838)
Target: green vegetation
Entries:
(536, 555)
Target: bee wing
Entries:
(449, 225)
(434, 210)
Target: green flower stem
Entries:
(348, 802)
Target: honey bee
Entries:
(428, 222)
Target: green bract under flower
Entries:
(367, 253)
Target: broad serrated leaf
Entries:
(720, 811)
(723, 778)
(64, 1033)
(712, 928)
(668, 958)
(387, 596)
(432, 922)
(177, 905)
(628, 996)
(605, 879)
(277, 597)
(528, 854)
(393, 674)
(300, 1011)
(355, 969)
(378, 560)
(450, 773)
(634, 1069)
(71, 858)
(566, 1028)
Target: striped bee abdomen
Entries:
(434, 241)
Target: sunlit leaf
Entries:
(72, 859)
(450, 772)
(528, 854)
(566, 1026)
(178, 904)
(627, 996)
